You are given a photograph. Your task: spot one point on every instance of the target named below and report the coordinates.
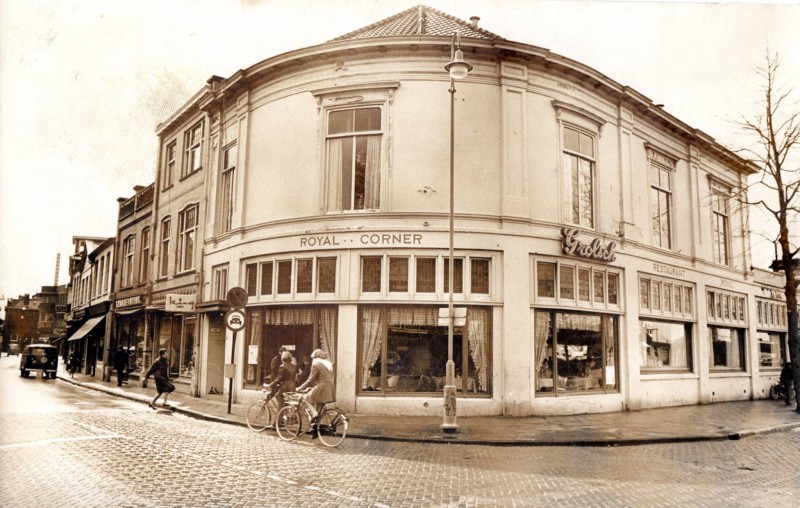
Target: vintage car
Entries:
(13, 349)
(42, 357)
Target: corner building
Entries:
(601, 255)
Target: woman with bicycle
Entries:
(320, 381)
(285, 379)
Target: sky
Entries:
(84, 83)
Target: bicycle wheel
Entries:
(773, 392)
(332, 427)
(288, 423)
(259, 416)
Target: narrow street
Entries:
(63, 445)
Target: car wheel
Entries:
(23, 373)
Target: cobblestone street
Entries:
(76, 447)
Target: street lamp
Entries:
(458, 69)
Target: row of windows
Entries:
(657, 296)
(94, 283)
(727, 307)
(771, 313)
(569, 284)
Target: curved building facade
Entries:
(601, 259)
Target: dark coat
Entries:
(160, 372)
(786, 376)
(120, 359)
(321, 378)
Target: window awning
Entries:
(86, 328)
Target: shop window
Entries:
(266, 278)
(305, 272)
(479, 276)
(772, 349)
(665, 346)
(284, 277)
(353, 151)
(575, 353)
(426, 275)
(404, 351)
(251, 278)
(187, 349)
(371, 274)
(398, 274)
(176, 335)
(300, 329)
(726, 348)
(326, 275)
(578, 177)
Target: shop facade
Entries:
(324, 193)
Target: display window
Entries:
(772, 331)
(665, 346)
(403, 350)
(299, 329)
(176, 334)
(726, 348)
(575, 353)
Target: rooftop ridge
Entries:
(419, 20)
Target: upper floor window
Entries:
(192, 144)
(578, 176)
(661, 170)
(163, 255)
(144, 260)
(413, 274)
(169, 165)
(720, 225)
(187, 229)
(128, 246)
(220, 282)
(353, 148)
(226, 188)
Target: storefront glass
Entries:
(772, 349)
(575, 352)
(404, 351)
(665, 345)
(726, 347)
(300, 329)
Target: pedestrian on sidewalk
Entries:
(160, 372)
(787, 380)
(72, 364)
(120, 364)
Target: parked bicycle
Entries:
(778, 391)
(261, 413)
(330, 425)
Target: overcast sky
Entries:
(83, 84)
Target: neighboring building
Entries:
(177, 232)
(318, 181)
(133, 280)
(21, 326)
(89, 290)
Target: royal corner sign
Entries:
(596, 250)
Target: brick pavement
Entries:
(720, 421)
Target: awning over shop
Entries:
(86, 328)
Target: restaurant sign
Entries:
(596, 250)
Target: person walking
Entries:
(786, 381)
(72, 364)
(320, 381)
(120, 364)
(160, 372)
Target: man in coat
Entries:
(120, 364)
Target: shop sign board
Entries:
(179, 303)
(596, 250)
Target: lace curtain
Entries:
(327, 331)
(372, 183)
(374, 329)
(477, 335)
(334, 171)
(541, 331)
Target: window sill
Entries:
(717, 373)
(189, 175)
(656, 375)
(168, 187)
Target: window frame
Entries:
(126, 271)
(193, 149)
(170, 160)
(144, 260)
(662, 166)
(219, 280)
(579, 269)
(688, 327)
(569, 190)
(741, 334)
(720, 223)
(185, 261)
(227, 188)
(163, 254)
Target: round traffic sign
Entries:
(237, 297)
(234, 320)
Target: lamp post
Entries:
(458, 69)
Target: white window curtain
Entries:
(373, 331)
(541, 330)
(335, 176)
(372, 185)
(412, 315)
(289, 316)
(327, 331)
(477, 335)
(733, 357)
(677, 351)
(254, 339)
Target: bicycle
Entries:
(261, 413)
(330, 425)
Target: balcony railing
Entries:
(144, 197)
(126, 208)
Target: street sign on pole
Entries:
(234, 320)
(459, 316)
(237, 297)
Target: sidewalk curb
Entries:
(454, 439)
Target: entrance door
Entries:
(298, 339)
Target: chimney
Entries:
(474, 20)
(58, 262)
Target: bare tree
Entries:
(776, 130)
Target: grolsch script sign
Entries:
(570, 245)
